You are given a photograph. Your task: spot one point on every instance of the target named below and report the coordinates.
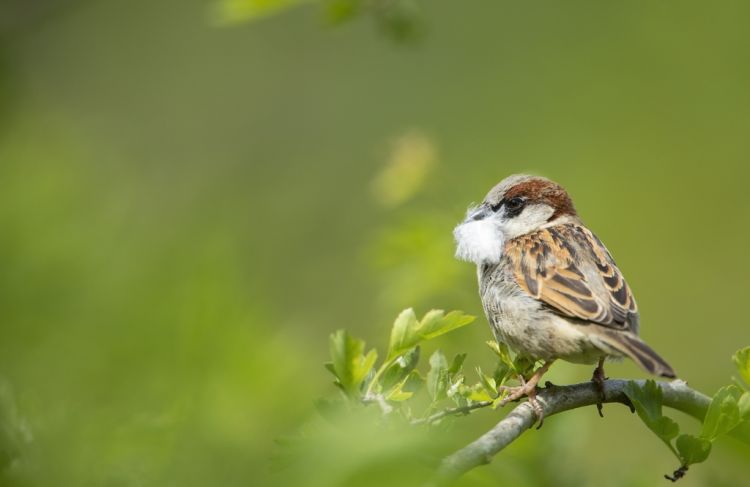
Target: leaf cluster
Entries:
(728, 411)
(393, 384)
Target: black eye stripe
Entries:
(513, 206)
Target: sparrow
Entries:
(549, 287)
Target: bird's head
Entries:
(517, 205)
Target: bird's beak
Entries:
(479, 213)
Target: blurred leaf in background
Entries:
(399, 20)
(411, 160)
(231, 11)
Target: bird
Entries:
(549, 287)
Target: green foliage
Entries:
(407, 331)
(729, 409)
(647, 401)
(397, 379)
(348, 362)
(398, 19)
(723, 413)
(692, 449)
(395, 382)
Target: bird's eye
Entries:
(514, 204)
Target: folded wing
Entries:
(569, 269)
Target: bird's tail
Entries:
(630, 345)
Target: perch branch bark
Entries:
(556, 399)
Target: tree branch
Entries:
(452, 412)
(556, 399)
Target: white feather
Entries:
(479, 241)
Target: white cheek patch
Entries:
(479, 241)
(532, 218)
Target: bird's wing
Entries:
(569, 270)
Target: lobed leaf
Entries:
(403, 334)
(437, 377)
(502, 352)
(400, 368)
(435, 323)
(692, 449)
(457, 363)
(407, 331)
(647, 400)
(723, 413)
(488, 383)
(348, 362)
(666, 428)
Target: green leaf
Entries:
(647, 400)
(407, 331)
(692, 449)
(501, 350)
(741, 359)
(348, 362)
(518, 365)
(478, 393)
(398, 394)
(488, 383)
(437, 377)
(723, 413)
(744, 406)
(435, 323)
(457, 363)
(400, 368)
(233, 11)
(502, 373)
(403, 334)
(666, 429)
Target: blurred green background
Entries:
(188, 209)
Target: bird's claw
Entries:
(527, 389)
(598, 379)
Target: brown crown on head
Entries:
(535, 190)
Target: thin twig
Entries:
(556, 399)
(451, 412)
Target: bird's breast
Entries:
(524, 324)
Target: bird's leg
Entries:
(598, 379)
(528, 389)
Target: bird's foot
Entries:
(528, 389)
(598, 379)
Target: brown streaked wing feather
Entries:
(548, 265)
